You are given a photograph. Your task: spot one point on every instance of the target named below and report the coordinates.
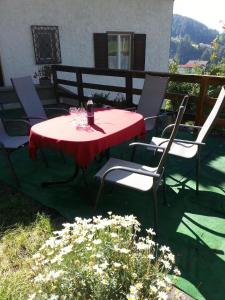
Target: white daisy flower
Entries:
(124, 250)
(164, 249)
(116, 265)
(97, 242)
(133, 289)
(176, 272)
(150, 231)
(151, 257)
(162, 296)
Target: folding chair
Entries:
(32, 105)
(151, 100)
(30, 100)
(137, 176)
(190, 149)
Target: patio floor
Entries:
(194, 227)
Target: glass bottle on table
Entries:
(90, 112)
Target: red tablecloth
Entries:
(112, 127)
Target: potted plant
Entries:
(44, 74)
(100, 99)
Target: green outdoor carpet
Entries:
(194, 227)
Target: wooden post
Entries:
(203, 94)
(129, 87)
(80, 90)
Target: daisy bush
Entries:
(102, 258)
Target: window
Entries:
(119, 50)
(46, 44)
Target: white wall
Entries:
(77, 21)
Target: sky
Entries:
(209, 12)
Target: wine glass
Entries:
(73, 112)
(82, 117)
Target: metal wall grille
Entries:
(46, 44)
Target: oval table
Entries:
(112, 127)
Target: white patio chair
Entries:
(190, 149)
(134, 145)
(151, 100)
(137, 176)
(32, 105)
(30, 100)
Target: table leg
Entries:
(71, 178)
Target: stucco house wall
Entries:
(77, 21)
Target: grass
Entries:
(16, 249)
(24, 226)
(17, 208)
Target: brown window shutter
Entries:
(101, 50)
(139, 45)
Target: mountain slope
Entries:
(198, 32)
(190, 39)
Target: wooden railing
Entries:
(202, 100)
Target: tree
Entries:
(218, 48)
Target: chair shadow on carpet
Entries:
(194, 228)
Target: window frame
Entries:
(138, 48)
(119, 34)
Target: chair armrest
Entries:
(18, 120)
(145, 145)
(26, 122)
(131, 170)
(158, 116)
(181, 141)
(189, 142)
(190, 126)
(181, 125)
(166, 129)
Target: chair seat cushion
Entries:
(178, 148)
(121, 177)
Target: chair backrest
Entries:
(212, 116)
(152, 97)
(29, 98)
(173, 134)
(185, 101)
